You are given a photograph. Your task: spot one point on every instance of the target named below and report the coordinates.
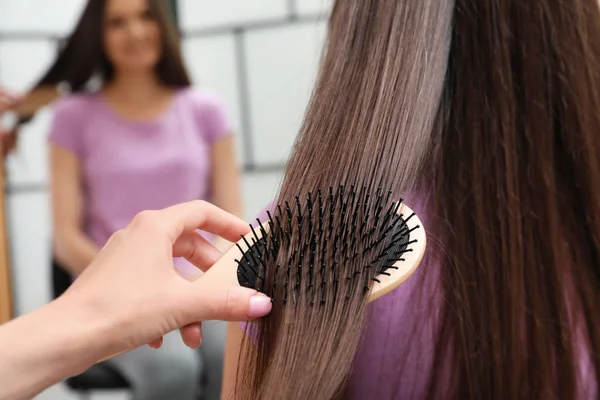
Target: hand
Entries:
(8, 99)
(133, 283)
(8, 135)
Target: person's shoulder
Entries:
(75, 105)
(203, 100)
(70, 115)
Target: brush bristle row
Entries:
(341, 242)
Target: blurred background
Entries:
(259, 56)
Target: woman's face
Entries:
(132, 37)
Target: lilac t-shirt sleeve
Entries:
(211, 115)
(65, 129)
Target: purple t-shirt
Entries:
(129, 166)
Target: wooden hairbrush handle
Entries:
(410, 262)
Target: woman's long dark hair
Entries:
(83, 55)
(515, 179)
(501, 131)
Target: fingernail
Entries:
(260, 305)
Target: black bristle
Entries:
(275, 277)
(311, 266)
(289, 216)
(254, 233)
(299, 209)
(263, 233)
(283, 231)
(250, 251)
(270, 222)
(393, 221)
(275, 234)
(331, 210)
(320, 206)
(389, 196)
(335, 245)
(355, 213)
(277, 217)
(389, 214)
(378, 203)
(249, 264)
(310, 216)
(366, 204)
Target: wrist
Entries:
(94, 329)
(75, 331)
(43, 347)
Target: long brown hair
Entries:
(373, 109)
(83, 55)
(514, 182)
(492, 108)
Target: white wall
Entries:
(260, 56)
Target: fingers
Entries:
(234, 303)
(196, 250)
(192, 335)
(156, 343)
(199, 214)
(7, 99)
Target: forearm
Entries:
(233, 344)
(48, 345)
(228, 198)
(226, 180)
(75, 251)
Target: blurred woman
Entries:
(143, 140)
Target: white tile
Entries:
(259, 189)
(313, 6)
(29, 227)
(282, 65)
(22, 62)
(46, 16)
(28, 164)
(200, 14)
(213, 66)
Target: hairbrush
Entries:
(358, 241)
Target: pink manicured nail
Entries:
(260, 305)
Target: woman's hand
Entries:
(128, 296)
(8, 99)
(133, 283)
(8, 133)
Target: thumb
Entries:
(229, 303)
